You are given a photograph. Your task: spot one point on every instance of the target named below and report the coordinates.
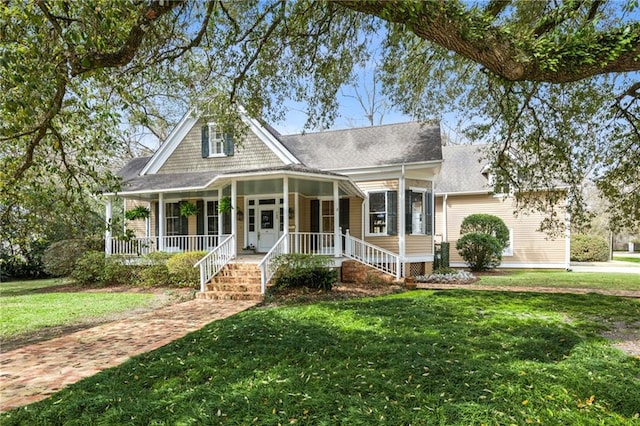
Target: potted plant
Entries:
(140, 212)
(224, 206)
(188, 209)
(250, 249)
(410, 283)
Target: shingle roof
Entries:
(367, 146)
(461, 170)
(167, 181)
(133, 168)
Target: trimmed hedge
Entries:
(480, 251)
(589, 248)
(486, 224)
(181, 270)
(304, 270)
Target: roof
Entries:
(167, 181)
(133, 168)
(367, 146)
(461, 170)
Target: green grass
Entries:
(441, 358)
(24, 310)
(627, 259)
(561, 279)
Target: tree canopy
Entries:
(552, 86)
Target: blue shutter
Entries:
(205, 141)
(392, 212)
(228, 144)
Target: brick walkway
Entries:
(34, 372)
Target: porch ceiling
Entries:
(308, 188)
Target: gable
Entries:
(182, 150)
(250, 153)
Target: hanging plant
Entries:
(188, 209)
(140, 212)
(224, 206)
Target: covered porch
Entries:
(255, 207)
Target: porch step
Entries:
(236, 281)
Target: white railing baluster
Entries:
(374, 256)
(266, 264)
(215, 260)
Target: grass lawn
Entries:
(562, 279)
(23, 309)
(422, 357)
(627, 259)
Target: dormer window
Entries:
(215, 142)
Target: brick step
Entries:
(237, 288)
(239, 273)
(228, 295)
(236, 280)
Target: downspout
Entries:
(402, 218)
(445, 236)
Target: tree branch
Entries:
(447, 24)
(124, 55)
(495, 7)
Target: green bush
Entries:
(90, 268)
(480, 251)
(181, 270)
(304, 270)
(486, 224)
(589, 248)
(60, 258)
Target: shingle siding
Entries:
(251, 153)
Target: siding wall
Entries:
(529, 245)
(252, 153)
(139, 226)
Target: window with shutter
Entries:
(383, 213)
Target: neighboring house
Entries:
(363, 194)
(464, 186)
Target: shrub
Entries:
(60, 258)
(90, 268)
(486, 224)
(304, 270)
(589, 248)
(181, 270)
(480, 251)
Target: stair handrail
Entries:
(372, 255)
(266, 264)
(215, 260)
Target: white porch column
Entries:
(403, 214)
(337, 244)
(162, 223)
(285, 211)
(107, 233)
(234, 209)
(296, 212)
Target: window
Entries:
(383, 207)
(508, 251)
(327, 218)
(216, 141)
(212, 218)
(418, 212)
(173, 219)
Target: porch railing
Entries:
(312, 242)
(174, 243)
(215, 260)
(374, 256)
(266, 264)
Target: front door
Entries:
(268, 227)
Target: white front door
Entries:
(268, 227)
